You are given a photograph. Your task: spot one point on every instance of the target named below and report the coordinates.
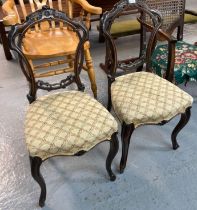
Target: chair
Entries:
(176, 60)
(141, 98)
(41, 46)
(67, 122)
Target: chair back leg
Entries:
(4, 41)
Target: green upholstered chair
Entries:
(185, 66)
(176, 60)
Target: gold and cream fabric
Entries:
(145, 98)
(66, 123)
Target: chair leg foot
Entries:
(126, 133)
(35, 171)
(114, 145)
(181, 124)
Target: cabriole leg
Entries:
(181, 124)
(114, 145)
(126, 133)
(35, 171)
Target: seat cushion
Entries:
(66, 123)
(185, 61)
(145, 98)
(52, 42)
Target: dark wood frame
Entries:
(15, 39)
(113, 64)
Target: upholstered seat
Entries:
(66, 123)
(185, 61)
(136, 100)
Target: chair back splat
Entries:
(44, 20)
(112, 63)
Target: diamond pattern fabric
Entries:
(145, 98)
(66, 123)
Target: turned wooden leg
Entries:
(114, 146)
(71, 62)
(4, 40)
(91, 72)
(35, 171)
(126, 133)
(181, 124)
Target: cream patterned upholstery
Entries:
(66, 123)
(145, 98)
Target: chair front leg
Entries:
(90, 71)
(114, 146)
(126, 133)
(181, 124)
(35, 171)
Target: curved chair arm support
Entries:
(88, 7)
(162, 36)
(171, 61)
(8, 9)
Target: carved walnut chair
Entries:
(64, 123)
(39, 45)
(176, 60)
(141, 98)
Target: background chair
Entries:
(178, 56)
(141, 98)
(64, 123)
(41, 46)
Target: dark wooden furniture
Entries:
(64, 123)
(140, 98)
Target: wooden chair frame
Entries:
(113, 64)
(15, 37)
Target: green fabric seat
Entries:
(185, 61)
(125, 27)
(130, 27)
(190, 18)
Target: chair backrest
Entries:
(18, 10)
(47, 16)
(172, 14)
(111, 52)
(24, 8)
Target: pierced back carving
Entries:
(112, 62)
(18, 34)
